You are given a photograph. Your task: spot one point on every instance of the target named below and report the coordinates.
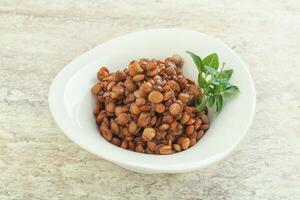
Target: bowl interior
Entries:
(71, 102)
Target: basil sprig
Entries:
(215, 84)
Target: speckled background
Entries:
(37, 38)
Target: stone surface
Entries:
(37, 161)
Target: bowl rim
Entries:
(180, 167)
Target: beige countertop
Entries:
(37, 161)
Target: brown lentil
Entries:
(132, 127)
(151, 145)
(119, 76)
(204, 127)
(138, 77)
(96, 89)
(126, 132)
(155, 97)
(166, 149)
(107, 134)
(185, 143)
(144, 119)
(148, 134)
(204, 118)
(184, 118)
(192, 142)
(124, 145)
(140, 101)
(100, 117)
(114, 127)
(200, 134)
(139, 148)
(102, 73)
(131, 145)
(175, 109)
(96, 109)
(122, 119)
(168, 95)
(135, 109)
(160, 108)
(189, 130)
(110, 107)
(176, 147)
(116, 141)
(130, 85)
(184, 97)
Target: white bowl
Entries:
(71, 102)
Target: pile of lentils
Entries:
(149, 107)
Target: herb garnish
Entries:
(215, 84)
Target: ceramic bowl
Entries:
(71, 102)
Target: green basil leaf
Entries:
(224, 82)
(226, 74)
(202, 104)
(197, 60)
(219, 103)
(211, 101)
(211, 60)
(219, 89)
(211, 70)
(231, 89)
(201, 81)
(214, 80)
